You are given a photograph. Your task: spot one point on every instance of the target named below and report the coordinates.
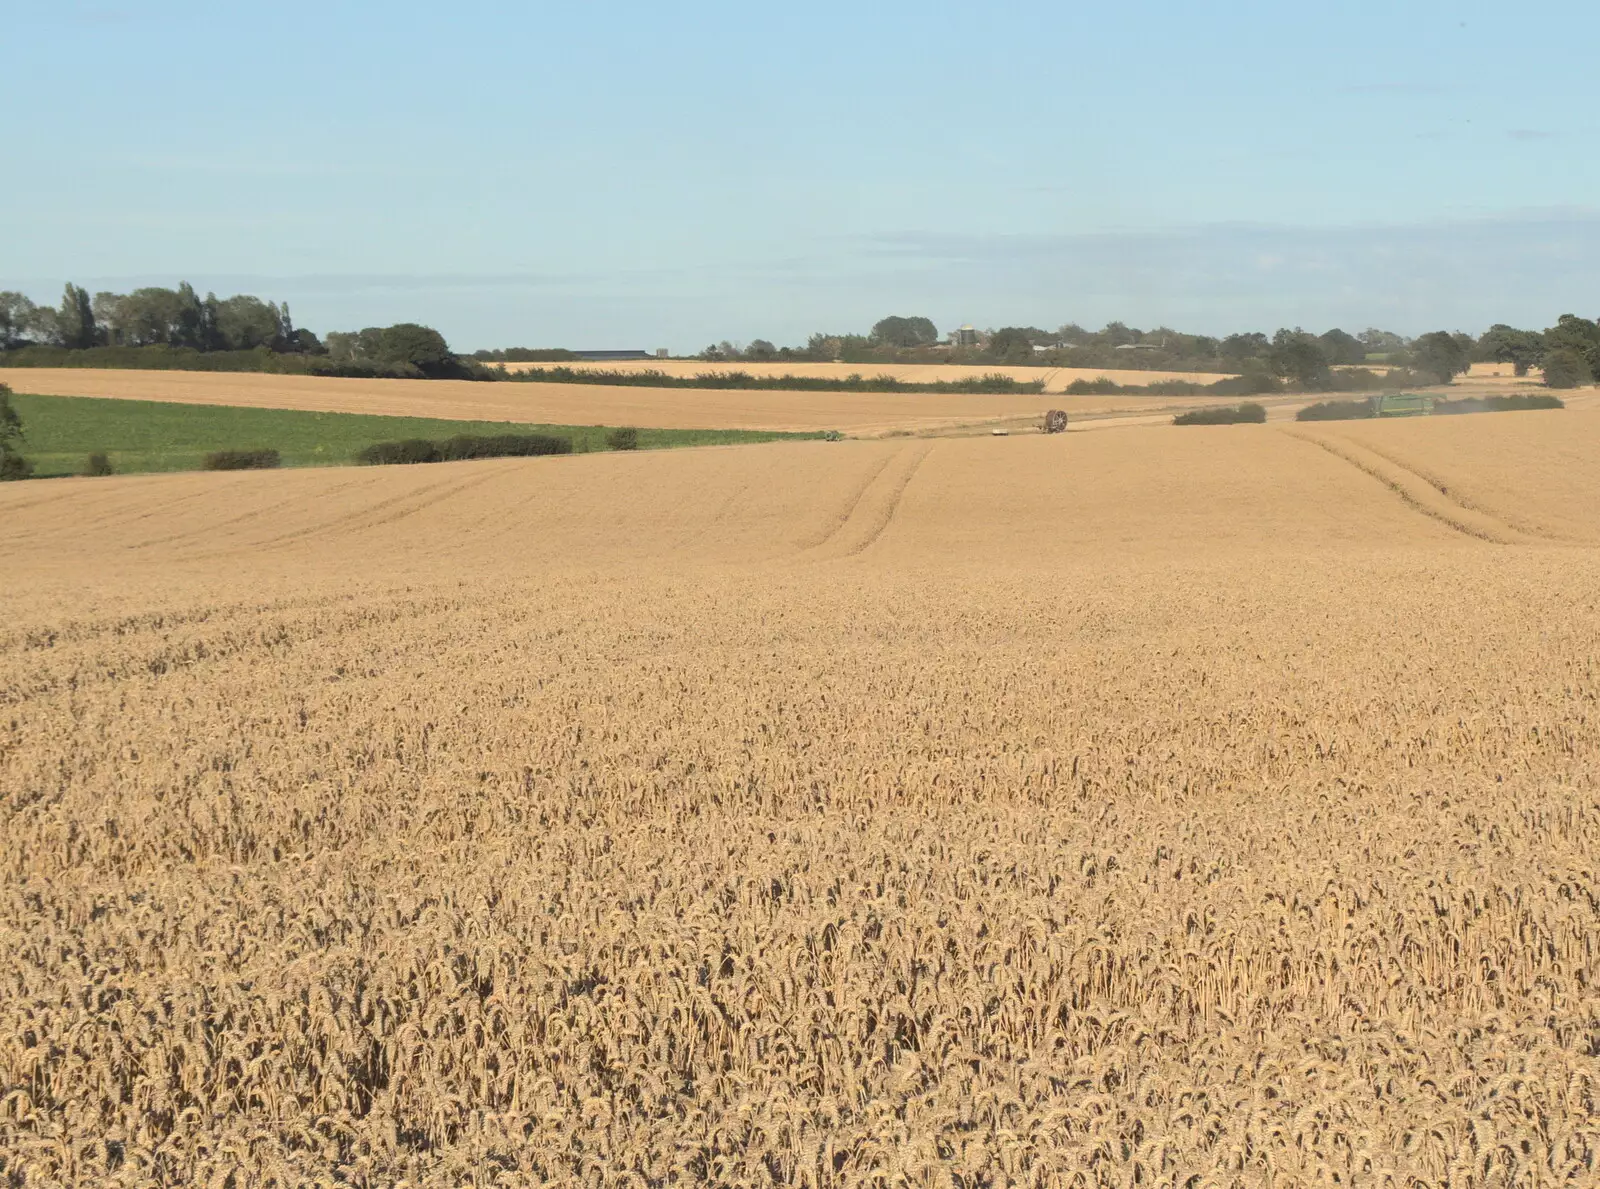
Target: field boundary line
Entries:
(1417, 493)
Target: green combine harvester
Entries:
(1402, 404)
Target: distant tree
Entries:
(149, 316)
(341, 345)
(303, 342)
(1298, 357)
(210, 316)
(189, 327)
(823, 347)
(1010, 344)
(904, 332)
(108, 317)
(243, 323)
(421, 346)
(1239, 349)
(1523, 349)
(17, 315)
(760, 349)
(1442, 355)
(75, 327)
(856, 348)
(1572, 333)
(42, 325)
(1565, 368)
(1116, 334)
(1341, 347)
(1380, 342)
(12, 464)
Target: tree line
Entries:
(158, 327)
(177, 328)
(152, 317)
(1569, 352)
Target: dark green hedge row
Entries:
(241, 460)
(1336, 410)
(463, 446)
(1515, 402)
(1248, 413)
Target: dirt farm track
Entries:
(1166, 806)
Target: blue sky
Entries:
(629, 174)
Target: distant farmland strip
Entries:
(995, 382)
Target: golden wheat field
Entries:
(1159, 807)
(856, 413)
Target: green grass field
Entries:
(62, 431)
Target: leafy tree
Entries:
(17, 314)
(1239, 349)
(904, 332)
(1523, 349)
(341, 345)
(421, 346)
(1341, 347)
(823, 346)
(1011, 344)
(1442, 354)
(1380, 342)
(1116, 334)
(75, 326)
(760, 349)
(303, 342)
(189, 327)
(1298, 357)
(42, 325)
(148, 316)
(243, 323)
(108, 317)
(12, 464)
(1565, 368)
(1572, 333)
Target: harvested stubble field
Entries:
(858, 413)
(1162, 807)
